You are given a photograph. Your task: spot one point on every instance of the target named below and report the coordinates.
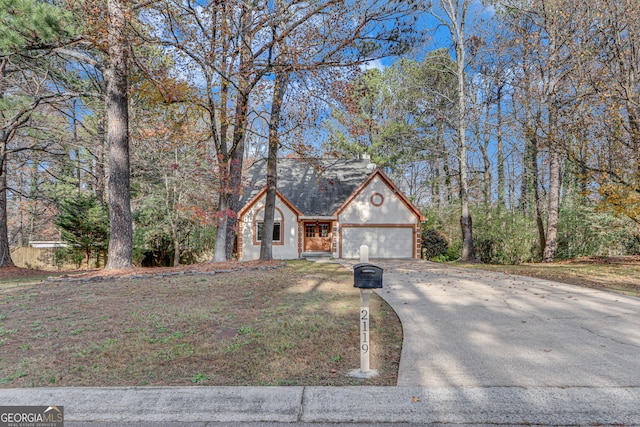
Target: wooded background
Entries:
(125, 126)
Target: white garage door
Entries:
(383, 242)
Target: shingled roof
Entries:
(317, 187)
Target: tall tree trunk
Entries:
(78, 162)
(553, 213)
(219, 253)
(5, 250)
(176, 243)
(234, 201)
(444, 176)
(486, 173)
(466, 225)
(468, 251)
(537, 201)
(99, 166)
(481, 116)
(220, 249)
(121, 230)
(234, 156)
(556, 68)
(220, 142)
(171, 201)
(456, 12)
(235, 174)
(246, 69)
(266, 247)
(526, 189)
(500, 148)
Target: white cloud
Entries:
(489, 9)
(377, 63)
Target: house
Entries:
(329, 207)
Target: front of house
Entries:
(331, 208)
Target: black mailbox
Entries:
(367, 276)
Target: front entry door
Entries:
(317, 237)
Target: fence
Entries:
(46, 259)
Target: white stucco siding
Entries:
(289, 232)
(377, 217)
(383, 242)
(363, 208)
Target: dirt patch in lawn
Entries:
(7, 273)
(292, 325)
(617, 274)
(14, 274)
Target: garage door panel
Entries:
(383, 242)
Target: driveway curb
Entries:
(475, 405)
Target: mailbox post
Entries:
(365, 331)
(366, 277)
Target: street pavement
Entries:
(480, 348)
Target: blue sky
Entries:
(439, 36)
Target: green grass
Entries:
(296, 325)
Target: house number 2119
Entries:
(364, 329)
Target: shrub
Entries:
(585, 230)
(633, 244)
(504, 237)
(500, 236)
(83, 223)
(152, 247)
(434, 243)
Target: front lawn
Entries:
(294, 325)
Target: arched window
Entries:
(278, 226)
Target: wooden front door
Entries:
(317, 237)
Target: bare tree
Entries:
(609, 33)
(279, 90)
(454, 18)
(545, 30)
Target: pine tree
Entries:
(84, 224)
(29, 29)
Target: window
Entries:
(310, 230)
(317, 230)
(276, 231)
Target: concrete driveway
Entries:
(472, 328)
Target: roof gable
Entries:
(388, 183)
(261, 193)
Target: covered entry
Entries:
(317, 236)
